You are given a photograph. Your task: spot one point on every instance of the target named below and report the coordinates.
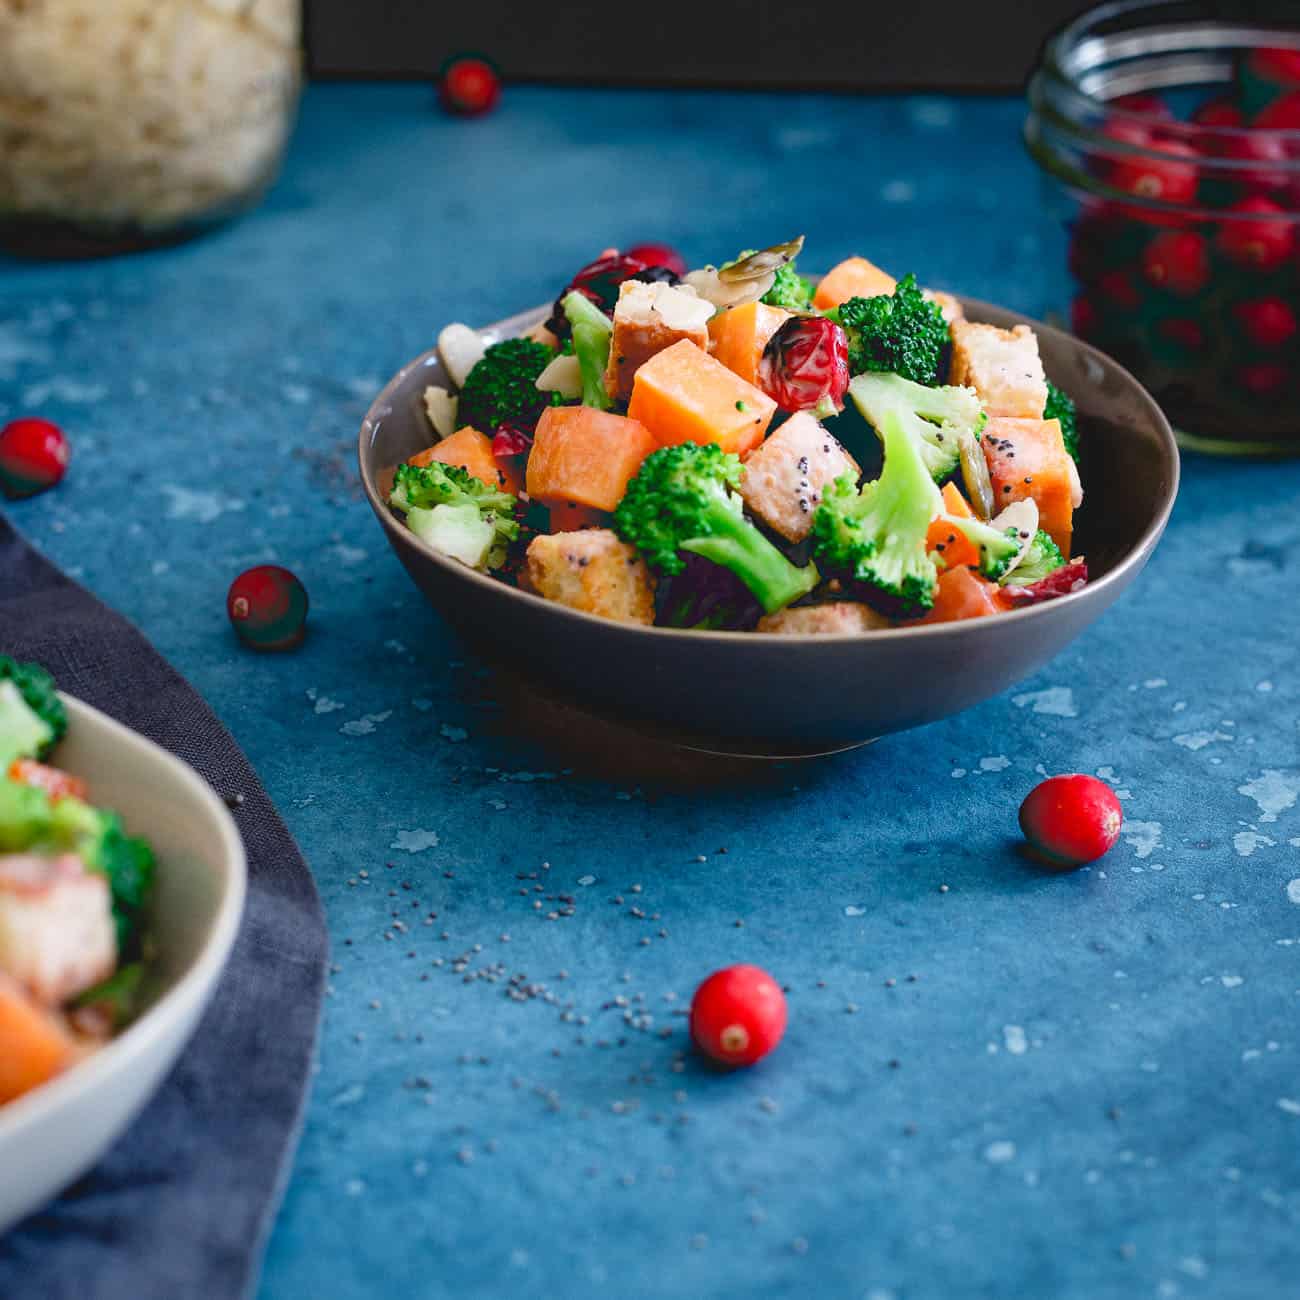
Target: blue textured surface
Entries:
(1090, 1087)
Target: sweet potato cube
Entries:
(954, 548)
(737, 337)
(570, 517)
(1027, 458)
(684, 395)
(472, 451)
(855, 277)
(963, 594)
(586, 456)
(34, 1046)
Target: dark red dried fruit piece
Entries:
(510, 441)
(805, 366)
(1072, 577)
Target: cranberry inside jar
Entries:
(1173, 195)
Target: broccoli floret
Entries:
(592, 331)
(32, 717)
(902, 333)
(1060, 406)
(502, 387)
(1042, 557)
(936, 418)
(455, 513)
(682, 500)
(25, 816)
(117, 996)
(878, 535)
(789, 290)
(997, 548)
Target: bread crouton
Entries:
(647, 319)
(56, 926)
(835, 617)
(784, 477)
(950, 306)
(592, 571)
(1002, 366)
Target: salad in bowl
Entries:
(74, 885)
(736, 448)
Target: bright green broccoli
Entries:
(32, 717)
(681, 500)
(1042, 557)
(902, 333)
(997, 547)
(936, 418)
(789, 290)
(30, 821)
(502, 387)
(1060, 406)
(877, 536)
(592, 331)
(455, 513)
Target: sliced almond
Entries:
(563, 376)
(1023, 517)
(440, 406)
(461, 349)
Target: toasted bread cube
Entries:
(950, 306)
(1002, 366)
(56, 926)
(592, 571)
(834, 618)
(784, 477)
(854, 277)
(647, 319)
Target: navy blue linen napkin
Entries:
(182, 1205)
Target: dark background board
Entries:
(835, 44)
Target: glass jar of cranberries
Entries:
(1169, 139)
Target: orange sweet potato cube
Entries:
(737, 337)
(685, 395)
(586, 456)
(1027, 458)
(472, 451)
(854, 277)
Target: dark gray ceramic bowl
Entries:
(745, 693)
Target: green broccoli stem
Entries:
(592, 331)
(740, 547)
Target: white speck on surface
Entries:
(298, 394)
(1143, 836)
(1231, 981)
(326, 705)
(499, 804)
(1264, 687)
(999, 1153)
(996, 763)
(1289, 1104)
(453, 734)
(415, 841)
(347, 555)
(1155, 683)
(1246, 842)
(363, 388)
(159, 567)
(363, 726)
(348, 1096)
(1106, 773)
(1055, 701)
(958, 772)
(898, 191)
(853, 910)
(584, 881)
(203, 507)
(1014, 1038)
(1195, 740)
(395, 646)
(63, 389)
(1179, 706)
(1274, 791)
(422, 705)
(355, 1187)
(1293, 890)
(934, 113)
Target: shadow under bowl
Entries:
(752, 694)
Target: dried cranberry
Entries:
(34, 456)
(1118, 287)
(1179, 261)
(1084, 316)
(1281, 115)
(267, 606)
(1070, 820)
(664, 255)
(806, 365)
(1256, 147)
(1277, 65)
(510, 441)
(1183, 332)
(1171, 176)
(1264, 243)
(1219, 112)
(1060, 582)
(1147, 105)
(1268, 322)
(738, 1015)
(1263, 377)
(599, 281)
(469, 86)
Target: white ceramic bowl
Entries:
(53, 1135)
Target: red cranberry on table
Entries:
(805, 366)
(1268, 322)
(1263, 244)
(34, 456)
(1071, 820)
(1179, 261)
(469, 86)
(267, 606)
(738, 1015)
